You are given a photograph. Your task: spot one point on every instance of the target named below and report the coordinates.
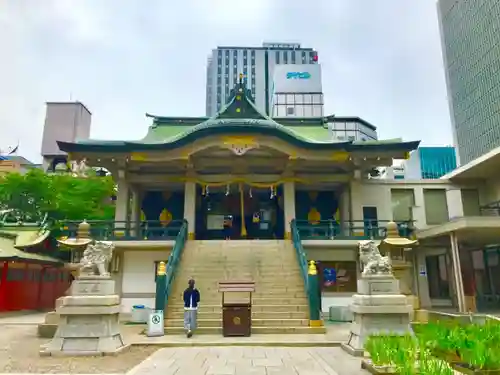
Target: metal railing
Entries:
(311, 290)
(490, 209)
(349, 230)
(174, 258)
(125, 231)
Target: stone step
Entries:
(178, 307)
(259, 289)
(255, 301)
(179, 314)
(205, 296)
(255, 330)
(202, 323)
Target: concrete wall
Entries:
(377, 193)
(138, 277)
(64, 122)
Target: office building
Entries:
(257, 65)
(297, 91)
(430, 162)
(424, 163)
(470, 41)
(64, 121)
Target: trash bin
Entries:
(139, 314)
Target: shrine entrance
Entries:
(256, 213)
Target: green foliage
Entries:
(404, 355)
(474, 344)
(61, 196)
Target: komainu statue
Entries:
(96, 258)
(371, 259)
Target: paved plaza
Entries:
(249, 361)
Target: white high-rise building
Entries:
(297, 91)
(257, 65)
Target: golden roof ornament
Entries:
(393, 239)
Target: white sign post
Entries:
(156, 324)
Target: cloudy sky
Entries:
(381, 60)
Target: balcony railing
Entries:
(349, 230)
(123, 231)
(490, 209)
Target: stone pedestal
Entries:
(88, 320)
(377, 308)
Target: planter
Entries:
(368, 365)
(465, 368)
(446, 355)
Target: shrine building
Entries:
(270, 177)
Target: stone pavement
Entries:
(249, 361)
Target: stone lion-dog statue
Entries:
(96, 259)
(371, 259)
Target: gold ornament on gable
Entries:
(240, 145)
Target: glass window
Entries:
(436, 208)
(402, 201)
(277, 57)
(293, 57)
(290, 111)
(437, 275)
(470, 201)
(285, 57)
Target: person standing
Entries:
(228, 227)
(191, 301)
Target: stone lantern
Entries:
(398, 249)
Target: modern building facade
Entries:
(430, 162)
(256, 64)
(471, 52)
(297, 91)
(69, 121)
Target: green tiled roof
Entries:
(239, 116)
(8, 250)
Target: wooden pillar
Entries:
(288, 206)
(190, 208)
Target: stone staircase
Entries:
(279, 304)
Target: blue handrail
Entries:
(174, 258)
(310, 281)
(150, 230)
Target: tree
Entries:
(60, 196)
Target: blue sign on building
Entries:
(298, 75)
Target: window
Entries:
(277, 57)
(285, 57)
(293, 57)
(437, 275)
(436, 208)
(290, 110)
(470, 201)
(402, 201)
